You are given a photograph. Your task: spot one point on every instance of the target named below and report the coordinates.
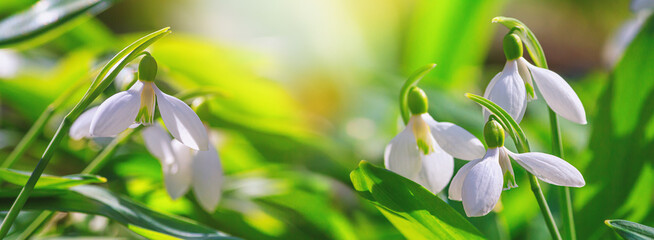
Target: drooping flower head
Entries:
(480, 182)
(424, 150)
(137, 105)
(184, 167)
(514, 86)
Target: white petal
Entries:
(550, 169)
(455, 140)
(181, 121)
(437, 169)
(456, 186)
(178, 171)
(483, 185)
(117, 113)
(558, 94)
(508, 91)
(402, 155)
(157, 141)
(525, 74)
(207, 178)
(507, 168)
(82, 126)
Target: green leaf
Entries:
(528, 37)
(410, 82)
(619, 167)
(149, 234)
(509, 124)
(631, 230)
(415, 211)
(49, 181)
(117, 63)
(96, 200)
(48, 19)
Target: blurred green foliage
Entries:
(287, 147)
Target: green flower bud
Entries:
(512, 46)
(147, 68)
(493, 133)
(418, 103)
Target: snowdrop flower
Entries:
(81, 128)
(480, 182)
(137, 105)
(184, 167)
(424, 150)
(511, 88)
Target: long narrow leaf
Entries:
(48, 181)
(46, 16)
(96, 200)
(631, 230)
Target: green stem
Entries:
(564, 192)
(538, 56)
(39, 124)
(106, 76)
(29, 138)
(544, 209)
(99, 161)
(35, 225)
(522, 145)
(36, 174)
(94, 166)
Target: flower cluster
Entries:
(188, 159)
(424, 150)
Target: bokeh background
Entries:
(310, 88)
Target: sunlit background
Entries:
(310, 88)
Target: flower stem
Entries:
(565, 199)
(28, 139)
(101, 82)
(36, 174)
(94, 166)
(99, 161)
(39, 124)
(544, 209)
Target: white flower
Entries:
(137, 104)
(424, 150)
(184, 167)
(507, 89)
(479, 183)
(81, 128)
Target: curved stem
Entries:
(39, 124)
(522, 145)
(106, 77)
(29, 138)
(36, 174)
(94, 166)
